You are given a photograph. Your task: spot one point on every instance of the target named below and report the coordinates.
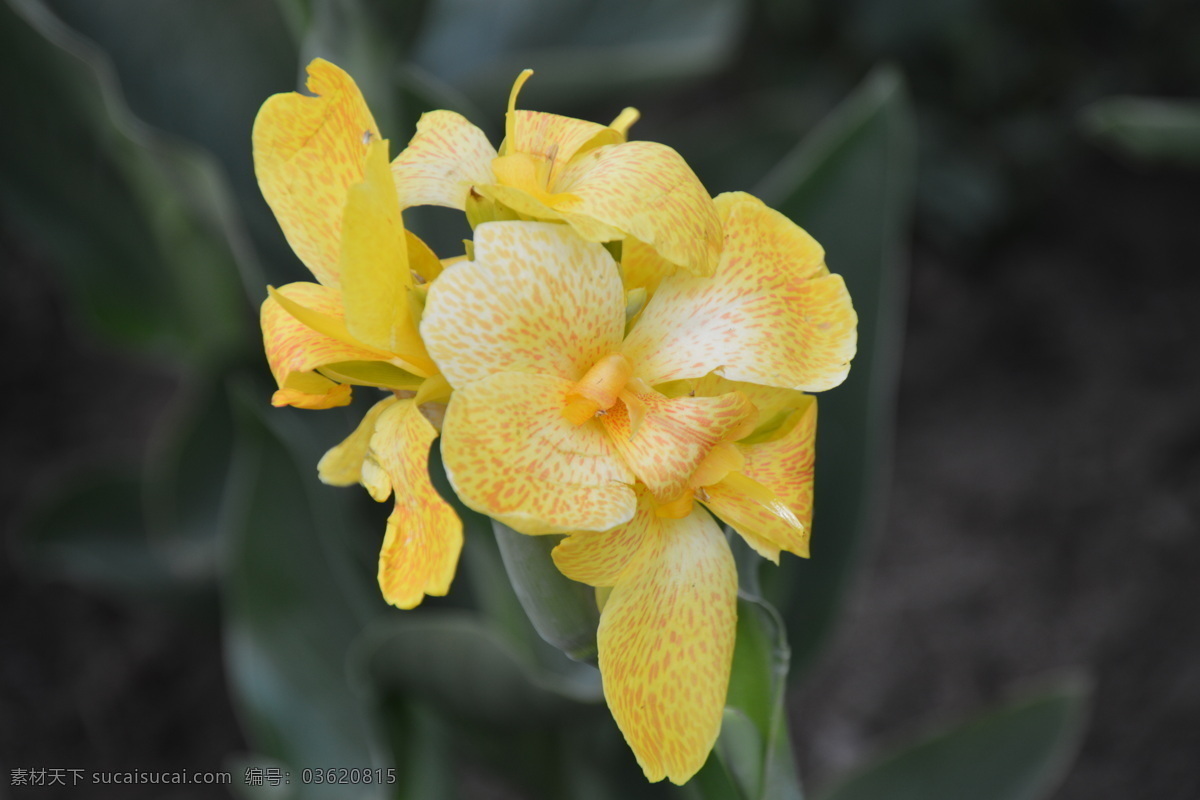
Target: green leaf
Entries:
(142, 225)
(1019, 752)
(563, 612)
(850, 185)
(454, 662)
(1166, 131)
(295, 602)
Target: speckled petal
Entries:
(772, 314)
(675, 435)
(307, 151)
(511, 454)
(648, 191)
(536, 299)
(424, 535)
(447, 156)
(598, 559)
(556, 138)
(291, 346)
(784, 465)
(666, 644)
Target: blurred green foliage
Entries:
(128, 163)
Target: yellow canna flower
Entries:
(563, 169)
(324, 171)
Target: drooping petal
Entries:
(783, 465)
(648, 191)
(772, 314)
(342, 464)
(293, 348)
(675, 436)
(312, 391)
(376, 279)
(666, 644)
(598, 559)
(536, 299)
(447, 156)
(511, 454)
(307, 152)
(424, 535)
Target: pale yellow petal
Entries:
(342, 464)
(598, 559)
(293, 347)
(642, 267)
(376, 280)
(665, 642)
(675, 436)
(307, 152)
(536, 299)
(772, 314)
(535, 207)
(510, 454)
(557, 139)
(447, 156)
(784, 466)
(648, 191)
(424, 535)
(773, 403)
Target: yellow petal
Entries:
(307, 152)
(648, 191)
(666, 644)
(447, 156)
(557, 139)
(311, 391)
(342, 464)
(329, 321)
(598, 559)
(421, 260)
(424, 535)
(675, 436)
(784, 466)
(536, 299)
(772, 314)
(642, 267)
(536, 207)
(510, 454)
(293, 347)
(376, 280)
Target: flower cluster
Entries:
(616, 357)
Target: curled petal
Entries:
(447, 156)
(294, 348)
(307, 152)
(511, 454)
(675, 436)
(557, 139)
(342, 465)
(535, 299)
(666, 644)
(648, 191)
(782, 465)
(424, 535)
(772, 314)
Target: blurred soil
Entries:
(1043, 515)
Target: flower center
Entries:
(598, 389)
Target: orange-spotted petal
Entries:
(307, 152)
(675, 435)
(447, 156)
(510, 454)
(665, 642)
(424, 535)
(648, 191)
(598, 559)
(782, 465)
(772, 314)
(536, 299)
(293, 347)
(557, 139)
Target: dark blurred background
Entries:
(1044, 496)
